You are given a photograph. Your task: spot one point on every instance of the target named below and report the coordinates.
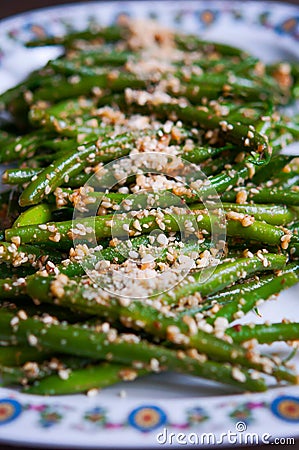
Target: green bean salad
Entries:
(148, 207)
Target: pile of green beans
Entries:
(68, 323)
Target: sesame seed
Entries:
(92, 392)
(32, 340)
(133, 254)
(162, 239)
(14, 321)
(238, 375)
(64, 374)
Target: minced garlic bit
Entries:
(128, 374)
(285, 241)
(92, 392)
(57, 286)
(244, 219)
(241, 197)
(191, 323)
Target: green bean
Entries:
(246, 286)
(23, 146)
(121, 253)
(85, 85)
(69, 67)
(18, 355)
(35, 234)
(6, 271)
(31, 372)
(31, 309)
(101, 227)
(196, 91)
(260, 232)
(229, 295)
(59, 144)
(71, 164)
(136, 312)
(66, 128)
(237, 134)
(82, 342)
(277, 163)
(272, 214)
(16, 94)
(82, 380)
(18, 255)
(110, 34)
(99, 57)
(210, 85)
(163, 199)
(20, 176)
(193, 43)
(221, 63)
(10, 288)
(77, 180)
(225, 274)
(245, 302)
(68, 109)
(35, 215)
(266, 195)
(265, 333)
(198, 155)
(11, 376)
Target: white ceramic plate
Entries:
(162, 404)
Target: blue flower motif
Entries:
(9, 410)
(286, 408)
(289, 26)
(147, 418)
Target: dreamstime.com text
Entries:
(239, 436)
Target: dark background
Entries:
(10, 7)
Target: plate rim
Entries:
(76, 6)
